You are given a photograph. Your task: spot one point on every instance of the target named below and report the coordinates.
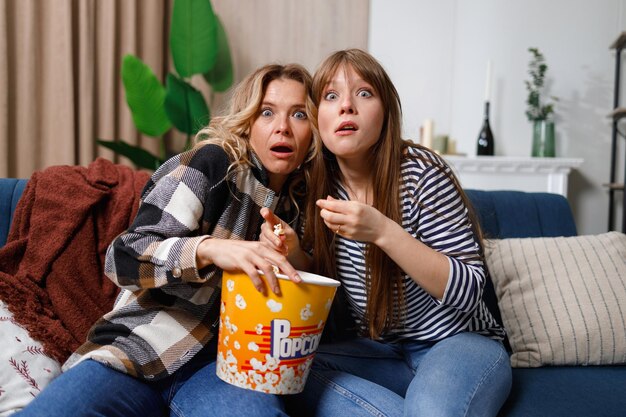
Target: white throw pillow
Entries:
(24, 369)
(563, 300)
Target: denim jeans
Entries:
(462, 375)
(92, 389)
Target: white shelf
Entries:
(514, 173)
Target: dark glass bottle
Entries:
(485, 142)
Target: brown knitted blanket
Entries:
(52, 266)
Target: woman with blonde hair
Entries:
(388, 218)
(200, 214)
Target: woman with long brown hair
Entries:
(389, 220)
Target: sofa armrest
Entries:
(11, 190)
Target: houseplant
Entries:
(540, 113)
(198, 45)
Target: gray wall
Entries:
(437, 53)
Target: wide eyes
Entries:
(298, 114)
(364, 93)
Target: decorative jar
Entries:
(543, 139)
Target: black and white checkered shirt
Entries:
(167, 307)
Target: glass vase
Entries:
(543, 138)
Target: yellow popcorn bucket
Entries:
(267, 342)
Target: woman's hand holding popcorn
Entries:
(278, 234)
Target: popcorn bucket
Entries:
(267, 343)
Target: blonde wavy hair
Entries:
(232, 131)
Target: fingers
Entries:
(261, 273)
(329, 203)
(269, 216)
(287, 269)
(256, 279)
(269, 230)
(270, 277)
(273, 220)
(333, 219)
(332, 208)
(254, 259)
(266, 261)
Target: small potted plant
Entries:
(539, 113)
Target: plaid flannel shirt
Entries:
(167, 309)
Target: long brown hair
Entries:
(386, 304)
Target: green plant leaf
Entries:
(138, 156)
(185, 106)
(145, 97)
(221, 75)
(193, 37)
(537, 69)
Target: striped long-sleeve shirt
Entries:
(165, 312)
(434, 213)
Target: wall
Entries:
(57, 98)
(285, 31)
(437, 53)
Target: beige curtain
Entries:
(60, 87)
(59, 82)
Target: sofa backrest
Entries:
(502, 214)
(11, 190)
(509, 214)
(518, 214)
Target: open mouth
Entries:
(347, 127)
(281, 149)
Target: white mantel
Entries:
(513, 173)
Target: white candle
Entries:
(427, 133)
(488, 82)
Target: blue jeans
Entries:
(462, 375)
(92, 389)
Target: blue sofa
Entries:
(552, 391)
(11, 190)
(537, 392)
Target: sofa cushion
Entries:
(506, 214)
(562, 299)
(25, 369)
(566, 391)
